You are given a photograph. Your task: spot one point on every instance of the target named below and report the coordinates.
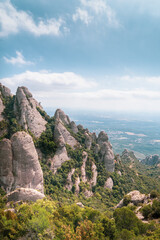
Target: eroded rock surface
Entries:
(27, 114)
(60, 115)
(151, 160)
(19, 165)
(107, 155)
(5, 92)
(73, 127)
(1, 109)
(61, 134)
(6, 165)
(93, 180)
(24, 194)
(88, 141)
(83, 167)
(109, 183)
(69, 184)
(135, 197)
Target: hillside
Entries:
(65, 165)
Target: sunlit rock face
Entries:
(106, 152)
(19, 164)
(28, 116)
(24, 194)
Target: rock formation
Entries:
(151, 160)
(5, 92)
(83, 167)
(27, 114)
(135, 198)
(1, 109)
(69, 184)
(88, 141)
(6, 165)
(106, 152)
(62, 135)
(19, 165)
(109, 183)
(60, 115)
(60, 157)
(93, 180)
(73, 127)
(128, 156)
(24, 194)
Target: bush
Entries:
(126, 200)
(154, 194)
(146, 210)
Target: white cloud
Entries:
(12, 21)
(19, 59)
(82, 15)
(91, 9)
(69, 90)
(48, 81)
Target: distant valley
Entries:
(140, 136)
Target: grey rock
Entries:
(77, 188)
(1, 109)
(27, 114)
(119, 173)
(60, 115)
(24, 194)
(6, 168)
(106, 151)
(80, 127)
(109, 183)
(5, 91)
(96, 148)
(136, 198)
(107, 156)
(19, 165)
(94, 137)
(88, 141)
(102, 137)
(83, 167)
(128, 156)
(69, 184)
(26, 167)
(88, 193)
(93, 180)
(80, 204)
(151, 160)
(73, 127)
(63, 136)
(60, 157)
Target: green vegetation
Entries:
(48, 219)
(151, 211)
(11, 125)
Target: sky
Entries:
(84, 54)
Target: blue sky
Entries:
(83, 54)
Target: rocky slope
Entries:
(70, 158)
(25, 108)
(151, 160)
(19, 163)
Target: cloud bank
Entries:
(70, 90)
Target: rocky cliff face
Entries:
(4, 93)
(19, 165)
(151, 160)
(27, 114)
(106, 152)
